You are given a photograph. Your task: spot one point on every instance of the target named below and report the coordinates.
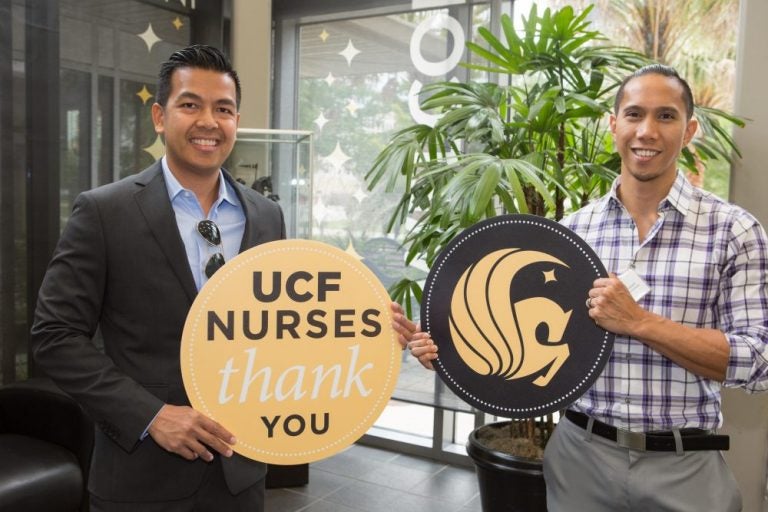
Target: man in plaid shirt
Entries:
(686, 298)
(698, 267)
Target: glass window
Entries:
(75, 137)
(359, 81)
(104, 130)
(139, 144)
(122, 44)
(407, 422)
(13, 194)
(91, 69)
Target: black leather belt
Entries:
(692, 438)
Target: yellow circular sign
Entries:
(290, 347)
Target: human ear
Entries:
(158, 118)
(690, 130)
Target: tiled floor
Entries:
(365, 479)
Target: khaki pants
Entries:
(592, 474)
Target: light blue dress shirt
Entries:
(226, 212)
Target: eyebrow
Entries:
(664, 108)
(192, 96)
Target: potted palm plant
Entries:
(536, 141)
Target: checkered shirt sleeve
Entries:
(705, 261)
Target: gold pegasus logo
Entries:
(495, 336)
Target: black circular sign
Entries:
(505, 303)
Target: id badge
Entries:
(634, 283)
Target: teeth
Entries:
(204, 142)
(645, 152)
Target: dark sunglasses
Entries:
(211, 234)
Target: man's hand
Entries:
(613, 308)
(411, 337)
(703, 351)
(423, 348)
(402, 325)
(184, 431)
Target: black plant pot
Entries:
(507, 483)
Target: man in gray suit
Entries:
(130, 262)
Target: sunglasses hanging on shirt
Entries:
(212, 235)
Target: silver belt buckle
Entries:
(631, 440)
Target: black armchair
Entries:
(45, 449)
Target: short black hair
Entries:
(196, 56)
(658, 69)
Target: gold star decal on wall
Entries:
(324, 35)
(177, 23)
(549, 275)
(144, 94)
(157, 149)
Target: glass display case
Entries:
(279, 164)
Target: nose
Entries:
(647, 128)
(206, 119)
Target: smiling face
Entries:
(199, 121)
(650, 128)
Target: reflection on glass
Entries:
(137, 133)
(356, 77)
(75, 127)
(407, 418)
(279, 165)
(104, 130)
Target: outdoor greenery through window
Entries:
(697, 37)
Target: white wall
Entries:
(251, 57)
(746, 417)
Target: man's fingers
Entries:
(187, 453)
(215, 437)
(218, 430)
(402, 325)
(186, 432)
(198, 449)
(200, 445)
(429, 352)
(404, 328)
(214, 443)
(396, 308)
(423, 348)
(411, 337)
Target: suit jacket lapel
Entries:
(154, 204)
(253, 234)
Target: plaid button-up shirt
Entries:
(706, 263)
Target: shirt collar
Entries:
(679, 196)
(226, 192)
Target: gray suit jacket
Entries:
(120, 266)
